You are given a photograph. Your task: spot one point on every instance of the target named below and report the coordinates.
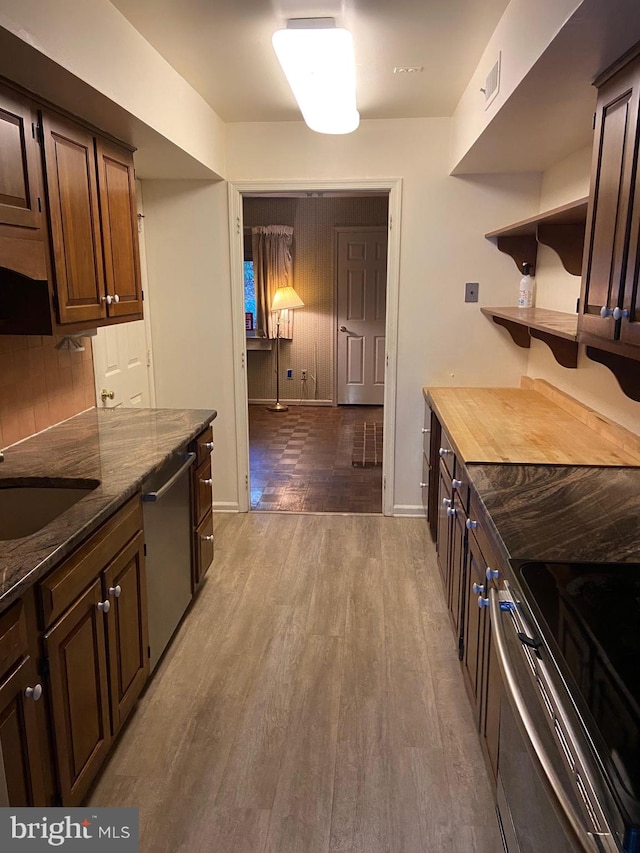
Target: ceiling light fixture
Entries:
(318, 61)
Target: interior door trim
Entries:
(236, 190)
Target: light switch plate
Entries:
(471, 289)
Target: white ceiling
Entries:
(223, 49)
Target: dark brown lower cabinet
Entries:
(76, 650)
(96, 644)
(19, 738)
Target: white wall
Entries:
(93, 41)
(442, 341)
(188, 261)
(592, 383)
(523, 33)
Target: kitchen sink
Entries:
(26, 506)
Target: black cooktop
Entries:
(591, 613)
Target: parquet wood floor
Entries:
(301, 460)
(311, 702)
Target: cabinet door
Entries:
(20, 204)
(456, 569)
(125, 587)
(203, 549)
(72, 189)
(612, 183)
(490, 727)
(19, 740)
(473, 626)
(75, 647)
(117, 192)
(202, 491)
(444, 524)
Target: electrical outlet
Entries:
(303, 375)
(471, 289)
(289, 373)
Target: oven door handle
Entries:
(570, 818)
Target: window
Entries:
(249, 286)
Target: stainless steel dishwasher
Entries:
(167, 533)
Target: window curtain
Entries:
(271, 248)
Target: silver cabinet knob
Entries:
(618, 313)
(455, 484)
(426, 431)
(470, 524)
(33, 692)
(492, 574)
(482, 602)
(207, 482)
(208, 538)
(606, 312)
(451, 511)
(115, 590)
(208, 445)
(444, 451)
(423, 485)
(105, 606)
(446, 501)
(478, 588)
(109, 299)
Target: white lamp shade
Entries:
(286, 297)
(319, 65)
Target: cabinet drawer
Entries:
(446, 453)
(63, 585)
(203, 547)
(202, 491)
(204, 446)
(13, 636)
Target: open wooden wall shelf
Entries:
(558, 330)
(561, 228)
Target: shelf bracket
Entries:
(567, 241)
(626, 370)
(519, 333)
(565, 352)
(522, 248)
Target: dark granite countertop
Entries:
(563, 513)
(118, 447)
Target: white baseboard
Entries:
(226, 506)
(410, 510)
(304, 402)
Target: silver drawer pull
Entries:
(471, 524)
(482, 602)
(208, 538)
(446, 501)
(207, 482)
(491, 574)
(478, 589)
(451, 511)
(208, 445)
(423, 485)
(444, 451)
(456, 484)
(33, 692)
(105, 606)
(115, 590)
(425, 431)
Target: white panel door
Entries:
(361, 315)
(120, 356)
(122, 353)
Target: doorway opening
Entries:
(325, 453)
(311, 390)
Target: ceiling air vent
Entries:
(492, 83)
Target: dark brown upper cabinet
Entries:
(72, 190)
(119, 217)
(23, 234)
(609, 311)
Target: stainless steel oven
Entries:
(553, 792)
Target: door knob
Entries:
(107, 395)
(343, 329)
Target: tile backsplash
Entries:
(40, 385)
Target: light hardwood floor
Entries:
(311, 702)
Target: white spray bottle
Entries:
(527, 292)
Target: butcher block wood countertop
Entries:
(535, 424)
